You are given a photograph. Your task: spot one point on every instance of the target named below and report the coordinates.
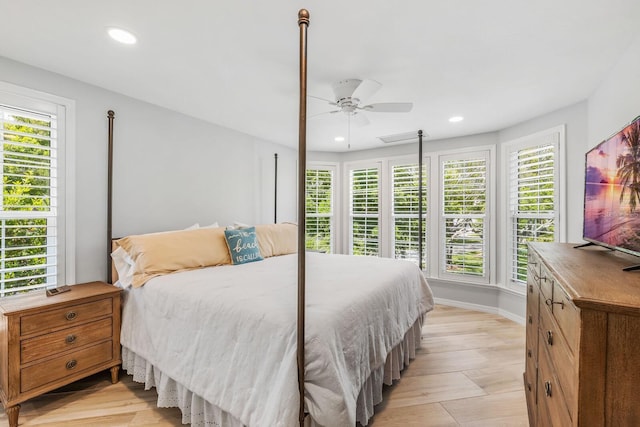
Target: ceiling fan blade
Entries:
(323, 113)
(389, 107)
(322, 99)
(360, 119)
(366, 89)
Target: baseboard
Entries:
(483, 308)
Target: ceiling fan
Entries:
(349, 97)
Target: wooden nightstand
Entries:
(48, 342)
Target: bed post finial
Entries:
(303, 17)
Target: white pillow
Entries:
(124, 266)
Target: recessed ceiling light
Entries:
(339, 139)
(455, 119)
(122, 36)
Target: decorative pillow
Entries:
(243, 245)
(277, 239)
(157, 254)
(124, 266)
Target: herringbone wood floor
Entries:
(468, 373)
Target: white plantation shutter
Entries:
(319, 209)
(464, 216)
(29, 205)
(405, 181)
(364, 211)
(532, 199)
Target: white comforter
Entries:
(228, 333)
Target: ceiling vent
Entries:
(402, 137)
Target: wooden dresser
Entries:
(583, 337)
(47, 342)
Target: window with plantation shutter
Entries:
(406, 235)
(464, 224)
(319, 209)
(533, 182)
(30, 238)
(364, 211)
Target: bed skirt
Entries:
(198, 412)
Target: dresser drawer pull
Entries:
(550, 302)
(530, 289)
(529, 386)
(530, 319)
(529, 353)
(549, 337)
(71, 364)
(70, 339)
(70, 315)
(547, 388)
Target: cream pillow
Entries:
(157, 254)
(277, 239)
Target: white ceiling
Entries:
(235, 62)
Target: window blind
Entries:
(464, 199)
(405, 182)
(532, 179)
(364, 211)
(28, 232)
(319, 210)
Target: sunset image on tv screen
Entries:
(612, 190)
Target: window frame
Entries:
(333, 168)
(64, 109)
(426, 188)
(488, 277)
(507, 148)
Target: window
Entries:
(364, 211)
(32, 229)
(319, 209)
(533, 191)
(404, 212)
(464, 221)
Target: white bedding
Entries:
(228, 333)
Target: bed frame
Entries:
(303, 24)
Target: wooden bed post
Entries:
(303, 24)
(111, 117)
(420, 236)
(275, 189)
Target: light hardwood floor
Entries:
(467, 373)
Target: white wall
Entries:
(616, 102)
(170, 170)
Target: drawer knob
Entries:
(530, 289)
(547, 388)
(549, 337)
(530, 319)
(551, 302)
(529, 353)
(70, 339)
(71, 315)
(71, 364)
(529, 386)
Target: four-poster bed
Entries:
(225, 343)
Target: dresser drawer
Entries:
(51, 370)
(64, 317)
(552, 342)
(546, 283)
(67, 339)
(567, 316)
(550, 397)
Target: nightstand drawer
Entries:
(67, 339)
(60, 367)
(64, 317)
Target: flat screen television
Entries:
(612, 192)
